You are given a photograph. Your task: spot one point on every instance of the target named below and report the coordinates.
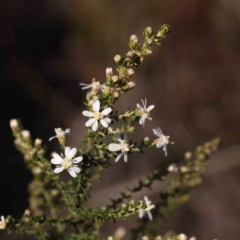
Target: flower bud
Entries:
(192, 238)
(115, 78)
(117, 58)
(129, 54)
(188, 155)
(110, 238)
(27, 212)
(134, 39)
(149, 30)
(120, 233)
(182, 237)
(130, 85)
(172, 168)
(184, 169)
(38, 142)
(130, 72)
(158, 238)
(116, 94)
(145, 238)
(14, 125)
(109, 72)
(26, 135)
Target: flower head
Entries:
(95, 86)
(67, 162)
(2, 223)
(162, 140)
(144, 112)
(147, 210)
(95, 116)
(109, 72)
(122, 146)
(60, 134)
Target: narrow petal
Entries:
(118, 157)
(87, 87)
(146, 198)
(144, 120)
(58, 169)
(145, 106)
(108, 120)
(141, 213)
(125, 157)
(150, 216)
(159, 130)
(72, 153)
(96, 106)
(95, 126)
(140, 107)
(114, 147)
(68, 130)
(2, 218)
(118, 137)
(77, 159)
(165, 150)
(143, 103)
(156, 133)
(141, 120)
(87, 114)
(150, 107)
(106, 111)
(56, 130)
(72, 173)
(125, 136)
(76, 169)
(50, 139)
(57, 158)
(67, 150)
(159, 145)
(90, 122)
(104, 123)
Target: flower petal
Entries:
(58, 169)
(108, 120)
(114, 147)
(159, 144)
(76, 169)
(71, 172)
(2, 218)
(56, 159)
(140, 107)
(150, 107)
(150, 216)
(95, 126)
(146, 198)
(141, 120)
(96, 106)
(106, 111)
(87, 87)
(87, 114)
(90, 122)
(104, 123)
(50, 139)
(118, 137)
(118, 157)
(165, 150)
(68, 130)
(72, 153)
(67, 150)
(77, 159)
(125, 157)
(157, 133)
(141, 213)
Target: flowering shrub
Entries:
(57, 207)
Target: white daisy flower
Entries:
(95, 86)
(144, 112)
(122, 145)
(67, 162)
(162, 141)
(96, 115)
(60, 134)
(147, 210)
(2, 223)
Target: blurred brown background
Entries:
(49, 47)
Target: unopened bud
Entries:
(116, 94)
(26, 135)
(172, 168)
(117, 58)
(38, 142)
(149, 30)
(27, 212)
(145, 238)
(120, 233)
(158, 238)
(188, 155)
(184, 169)
(149, 41)
(192, 238)
(146, 140)
(130, 72)
(182, 237)
(109, 72)
(134, 39)
(129, 54)
(14, 125)
(111, 131)
(37, 170)
(110, 238)
(115, 78)
(130, 85)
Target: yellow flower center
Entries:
(124, 146)
(98, 115)
(66, 163)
